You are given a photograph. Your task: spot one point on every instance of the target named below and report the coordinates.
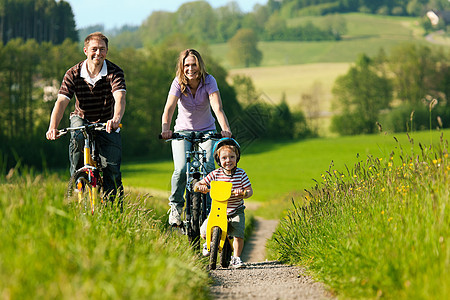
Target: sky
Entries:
(116, 13)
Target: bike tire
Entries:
(196, 201)
(214, 247)
(83, 195)
(225, 256)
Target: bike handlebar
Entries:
(95, 126)
(193, 136)
(243, 193)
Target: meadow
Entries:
(377, 229)
(51, 250)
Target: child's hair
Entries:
(229, 147)
(226, 142)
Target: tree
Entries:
(196, 19)
(243, 48)
(360, 96)
(229, 20)
(42, 20)
(417, 71)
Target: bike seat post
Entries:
(87, 149)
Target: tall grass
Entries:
(50, 250)
(378, 229)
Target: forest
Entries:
(41, 20)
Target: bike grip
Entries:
(196, 190)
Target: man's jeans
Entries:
(109, 147)
(179, 148)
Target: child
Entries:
(227, 154)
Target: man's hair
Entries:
(95, 36)
(182, 80)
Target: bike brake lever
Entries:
(61, 133)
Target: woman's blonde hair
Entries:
(182, 80)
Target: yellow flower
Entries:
(383, 189)
(382, 212)
(435, 161)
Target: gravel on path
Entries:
(262, 279)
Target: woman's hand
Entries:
(226, 133)
(166, 134)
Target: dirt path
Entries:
(262, 279)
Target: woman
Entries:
(195, 92)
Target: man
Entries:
(99, 89)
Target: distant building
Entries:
(438, 16)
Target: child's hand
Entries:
(239, 193)
(202, 188)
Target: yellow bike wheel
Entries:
(81, 191)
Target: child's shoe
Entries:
(205, 251)
(236, 262)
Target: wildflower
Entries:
(383, 189)
(382, 212)
(435, 161)
(390, 219)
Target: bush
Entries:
(351, 124)
(407, 117)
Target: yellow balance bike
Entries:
(217, 239)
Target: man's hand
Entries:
(52, 134)
(112, 125)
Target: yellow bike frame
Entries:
(220, 193)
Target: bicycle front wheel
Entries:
(81, 191)
(214, 247)
(196, 200)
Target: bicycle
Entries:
(86, 183)
(195, 209)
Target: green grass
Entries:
(277, 169)
(49, 250)
(378, 229)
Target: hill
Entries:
(292, 68)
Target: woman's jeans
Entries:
(179, 148)
(109, 147)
